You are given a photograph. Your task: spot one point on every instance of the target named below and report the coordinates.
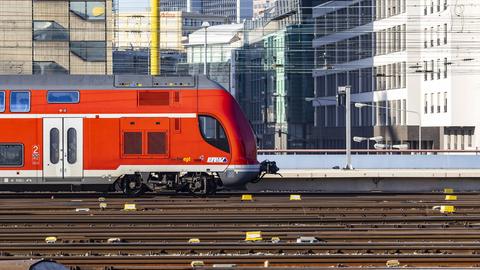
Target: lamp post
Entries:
(344, 91)
(362, 105)
(205, 26)
(377, 139)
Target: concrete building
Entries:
(174, 28)
(260, 7)
(221, 40)
(408, 61)
(181, 5)
(234, 10)
(43, 37)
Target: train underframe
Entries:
(198, 183)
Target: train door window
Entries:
(2, 101)
(213, 132)
(72, 145)
(11, 155)
(54, 145)
(157, 143)
(132, 143)
(20, 101)
(63, 97)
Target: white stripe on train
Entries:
(94, 115)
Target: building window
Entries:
(425, 70)
(89, 10)
(432, 105)
(2, 101)
(425, 44)
(439, 71)
(438, 35)
(445, 4)
(470, 138)
(48, 67)
(445, 68)
(63, 97)
(438, 103)
(432, 72)
(431, 36)
(445, 102)
(49, 31)
(91, 51)
(20, 101)
(445, 33)
(11, 155)
(426, 104)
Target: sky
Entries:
(134, 5)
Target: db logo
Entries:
(217, 160)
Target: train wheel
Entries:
(133, 185)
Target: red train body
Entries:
(126, 132)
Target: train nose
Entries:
(239, 176)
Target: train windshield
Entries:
(213, 132)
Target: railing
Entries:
(365, 152)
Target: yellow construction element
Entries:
(193, 241)
(155, 37)
(295, 197)
(98, 11)
(197, 263)
(393, 263)
(101, 199)
(266, 264)
(447, 209)
(275, 239)
(253, 236)
(103, 205)
(130, 207)
(448, 191)
(51, 240)
(247, 197)
(450, 197)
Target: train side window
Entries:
(54, 145)
(63, 97)
(20, 101)
(11, 155)
(213, 132)
(72, 145)
(2, 101)
(132, 143)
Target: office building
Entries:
(44, 37)
(411, 64)
(235, 10)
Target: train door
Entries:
(62, 149)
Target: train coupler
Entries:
(267, 167)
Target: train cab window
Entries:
(63, 97)
(20, 101)
(11, 155)
(2, 101)
(213, 132)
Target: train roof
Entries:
(105, 82)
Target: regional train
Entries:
(127, 133)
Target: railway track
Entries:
(352, 230)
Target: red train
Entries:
(127, 133)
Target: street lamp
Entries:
(380, 146)
(205, 26)
(362, 105)
(377, 139)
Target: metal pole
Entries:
(420, 135)
(205, 60)
(368, 146)
(348, 128)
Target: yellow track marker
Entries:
(253, 236)
(247, 197)
(295, 197)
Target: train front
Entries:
(243, 164)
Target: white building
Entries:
(415, 63)
(221, 41)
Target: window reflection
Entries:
(89, 10)
(20, 101)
